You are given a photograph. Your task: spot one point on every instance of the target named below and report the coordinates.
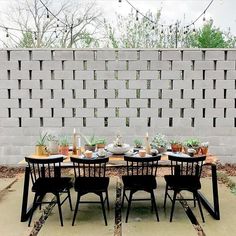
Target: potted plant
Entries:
(159, 142)
(192, 143)
(137, 144)
(176, 146)
(204, 148)
(101, 143)
(40, 148)
(90, 143)
(52, 144)
(64, 145)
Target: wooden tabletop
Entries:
(118, 160)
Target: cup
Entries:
(101, 152)
(142, 153)
(88, 154)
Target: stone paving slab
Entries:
(141, 221)
(4, 182)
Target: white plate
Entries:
(56, 156)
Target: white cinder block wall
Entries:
(181, 93)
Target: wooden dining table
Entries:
(117, 161)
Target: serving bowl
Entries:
(118, 150)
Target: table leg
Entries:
(213, 210)
(24, 213)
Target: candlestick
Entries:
(74, 150)
(148, 147)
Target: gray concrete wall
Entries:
(183, 93)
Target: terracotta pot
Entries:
(204, 150)
(101, 145)
(176, 147)
(40, 150)
(64, 150)
(89, 148)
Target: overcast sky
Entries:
(221, 11)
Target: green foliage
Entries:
(64, 141)
(42, 140)
(212, 37)
(134, 34)
(101, 141)
(91, 141)
(51, 137)
(27, 40)
(224, 178)
(138, 143)
(192, 143)
(174, 141)
(160, 140)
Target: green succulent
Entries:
(138, 143)
(42, 140)
(91, 141)
(192, 143)
(159, 140)
(51, 137)
(101, 141)
(173, 141)
(64, 141)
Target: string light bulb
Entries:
(153, 27)
(204, 16)
(7, 34)
(47, 14)
(35, 36)
(137, 15)
(162, 30)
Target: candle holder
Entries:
(74, 149)
(148, 147)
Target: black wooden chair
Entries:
(90, 177)
(185, 175)
(46, 178)
(140, 176)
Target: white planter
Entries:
(118, 150)
(53, 147)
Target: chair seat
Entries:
(183, 182)
(91, 184)
(140, 182)
(52, 185)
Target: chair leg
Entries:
(108, 206)
(200, 207)
(154, 204)
(165, 196)
(173, 205)
(76, 208)
(129, 204)
(194, 199)
(59, 208)
(69, 197)
(32, 209)
(123, 198)
(103, 209)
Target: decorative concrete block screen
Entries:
(180, 93)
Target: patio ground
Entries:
(141, 221)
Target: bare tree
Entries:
(71, 24)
